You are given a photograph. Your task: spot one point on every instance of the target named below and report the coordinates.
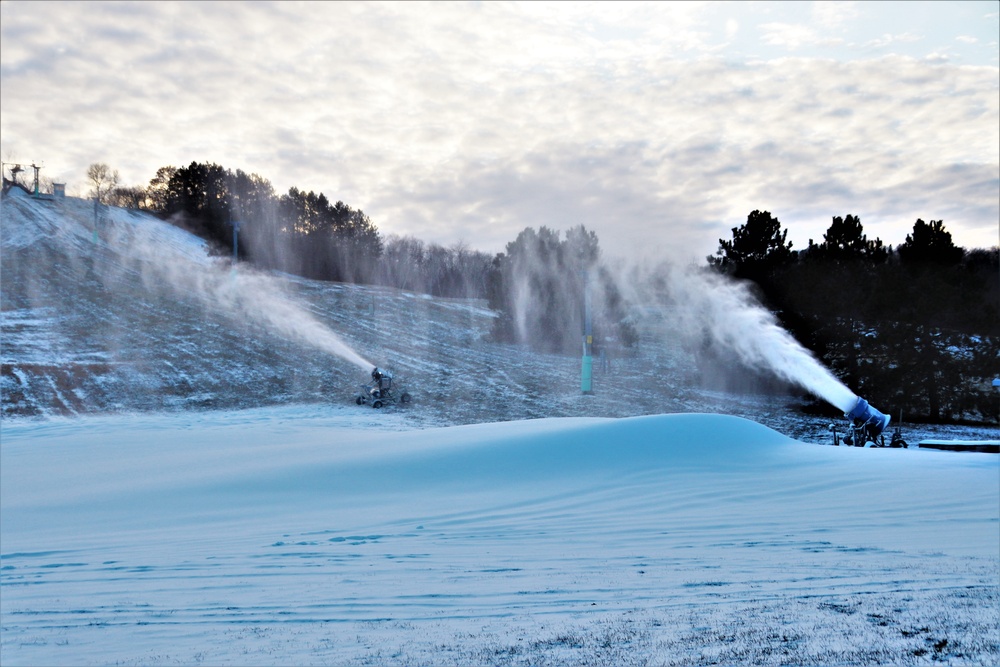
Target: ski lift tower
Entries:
(16, 169)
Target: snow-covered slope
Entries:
(140, 316)
(135, 321)
(133, 316)
(307, 535)
(118, 323)
(502, 518)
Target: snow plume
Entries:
(707, 307)
(543, 279)
(242, 294)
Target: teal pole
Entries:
(587, 364)
(236, 240)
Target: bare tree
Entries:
(127, 197)
(103, 180)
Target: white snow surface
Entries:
(318, 535)
(501, 519)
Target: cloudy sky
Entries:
(658, 125)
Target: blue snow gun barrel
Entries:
(875, 421)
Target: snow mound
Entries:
(342, 463)
(150, 471)
(307, 535)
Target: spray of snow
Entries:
(243, 294)
(703, 304)
(697, 306)
(168, 258)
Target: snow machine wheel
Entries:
(359, 400)
(377, 404)
(405, 398)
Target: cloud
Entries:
(888, 40)
(450, 121)
(835, 15)
(789, 36)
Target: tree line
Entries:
(916, 327)
(536, 286)
(298, 232)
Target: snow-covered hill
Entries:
(138, 315)
(136, 320)
(502, 518)
(91, 326)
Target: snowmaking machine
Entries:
(381, 390)
(867, 425)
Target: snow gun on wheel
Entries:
(867, 425)
(381, 391)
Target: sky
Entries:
(660, 126)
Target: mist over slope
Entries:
(108, 324)
(131, 313)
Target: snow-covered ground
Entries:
(139, 320)
(306, 535)
(185, 479)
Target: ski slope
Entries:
(307, 535)
(142, 317)
(185, 479)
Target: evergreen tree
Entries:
(845, 240)
(758, 248)
(930, 243)
(199, 193)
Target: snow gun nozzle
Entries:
(864, 414)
